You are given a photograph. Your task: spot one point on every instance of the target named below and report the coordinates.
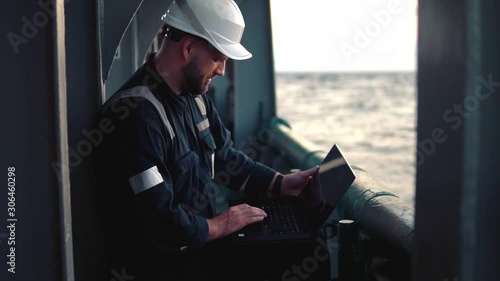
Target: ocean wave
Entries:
(373, 116)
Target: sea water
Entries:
(371, 116)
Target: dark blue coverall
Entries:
(155, 170)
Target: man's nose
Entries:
(221, 68)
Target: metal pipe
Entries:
(62, 141)
(381, 214)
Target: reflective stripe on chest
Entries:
(142, 92)
(205, 125)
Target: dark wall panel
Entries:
(441, 71)
(28, 143)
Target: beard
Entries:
(196, 81)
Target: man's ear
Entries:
(188, 45)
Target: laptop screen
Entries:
(336, 176)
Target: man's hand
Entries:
(294, 183)
(311, 195)
(232, 220)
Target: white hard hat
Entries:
(220, 22)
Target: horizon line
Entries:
(346, 71)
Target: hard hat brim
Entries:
(234, 51)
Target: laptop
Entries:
(287, 220)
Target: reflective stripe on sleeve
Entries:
(145, 180)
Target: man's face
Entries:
(203, 67)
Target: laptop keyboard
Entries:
(280, 218)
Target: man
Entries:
(157, 165)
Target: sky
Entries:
(344, 35)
